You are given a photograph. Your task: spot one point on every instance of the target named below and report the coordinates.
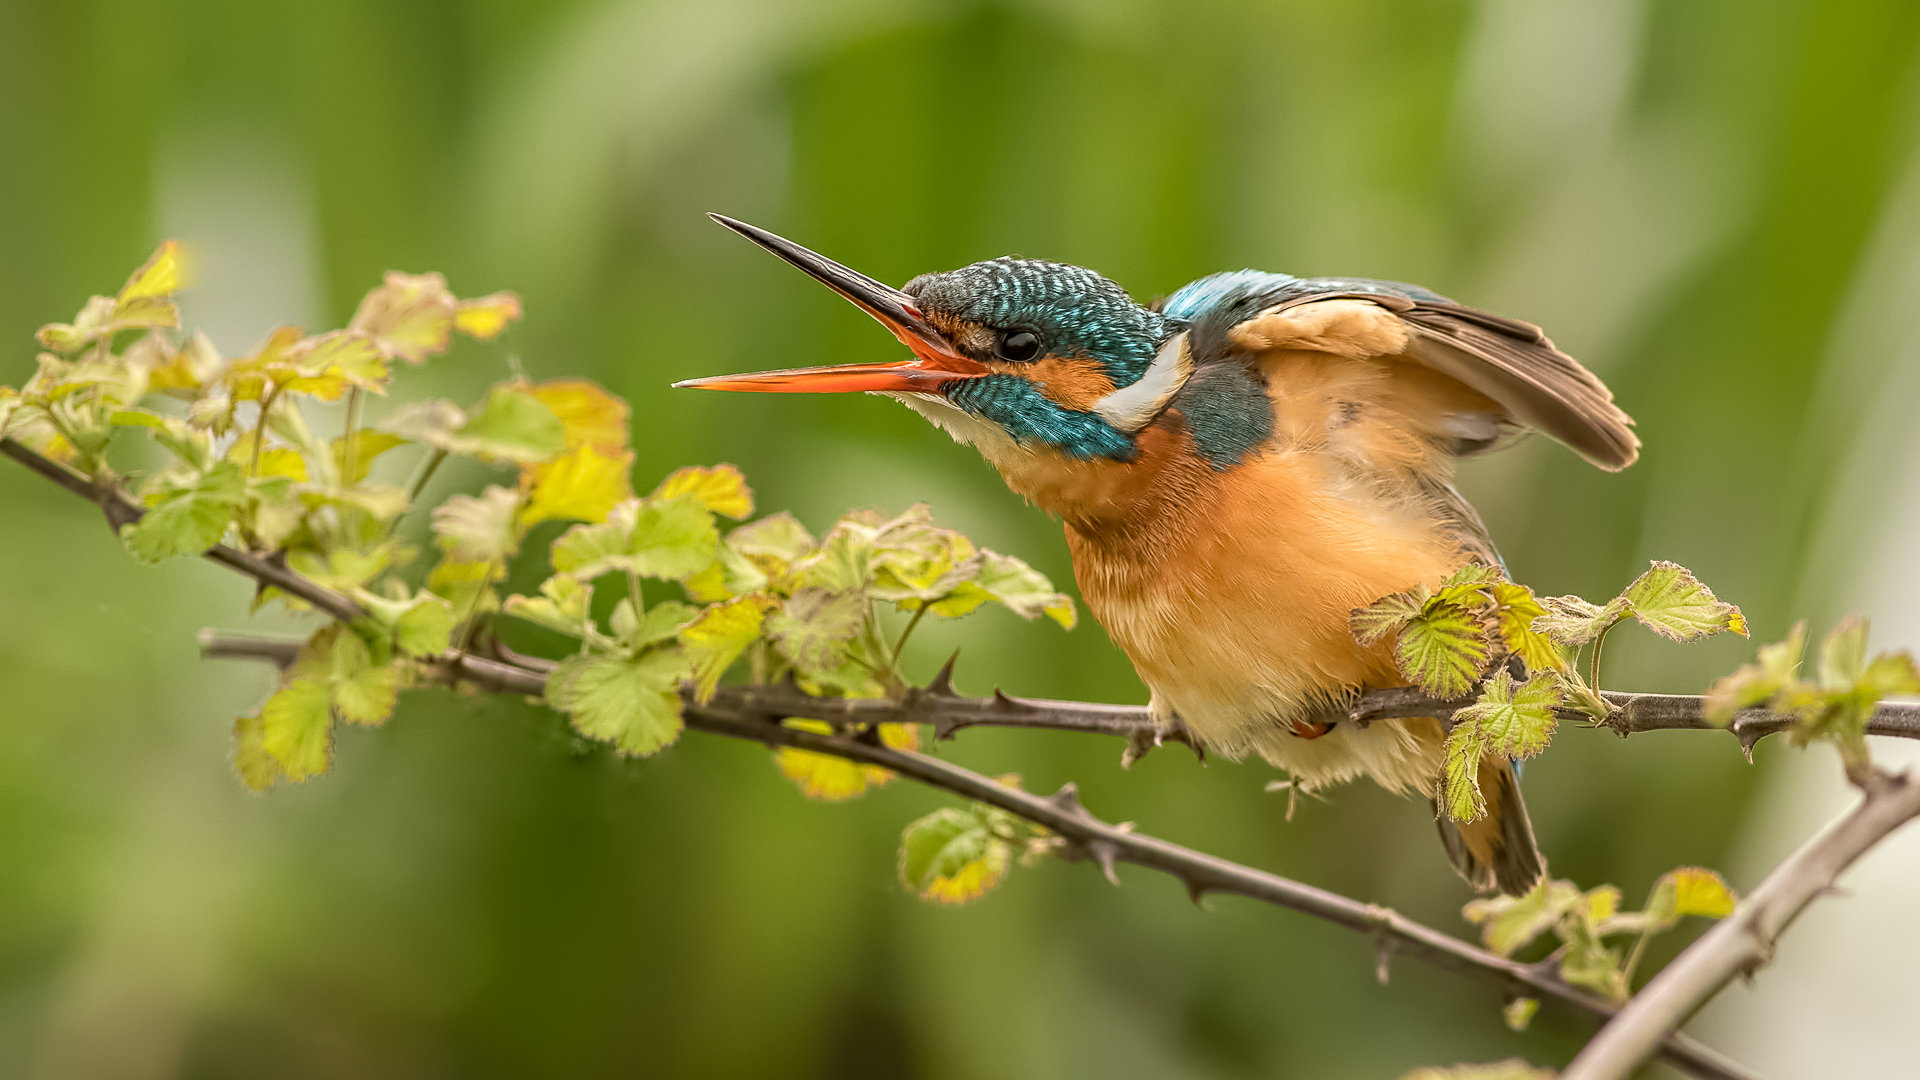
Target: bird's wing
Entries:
(1510, 361)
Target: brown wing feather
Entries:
(1515, 364)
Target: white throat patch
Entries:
(1131, 408)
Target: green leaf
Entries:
(1843, 654)
(581, 485)
(257, 768)
(512, 425)
(188, 521)
(1587, 961)
(669, 540)
(1569, 620)
(835, 779)
(1515, 722)
(360, 691)
(187, 444)
(1890, 673)
(1460, 794)
(426, 628)
(815, 627)
(1519, 1013)
(478, 528)
(1442, 650)
(1674, 604)
(1472, 578)
(662, 621)
(718, 637)
(1386, 615)
(1690, 890)
(563, 605)
(1508, 923)
(632, 703)
(952, 856)
(1022, 589)
(297, 726)
(342, 569)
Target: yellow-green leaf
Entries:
(1517, 722)
(1519, 1013)
(257, 768)
(410, 315)
(188, 521)
(589, 415)
(670, 540)
(718, 637)
(780, 535)
(1778, 668)
(720, 488)
(1569, 620)
(477, 528)
(1508, 923)
(1386, 615)
(1515, 611)
(581, 485)
(815, 627)
(1674, 604)
(368, 444)
(297, 727)
(161, 276)
(426, 628)
(835, 779)
(361, 692)
(563, 605)
(484, 317)
(952, 856)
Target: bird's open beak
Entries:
(935, 360)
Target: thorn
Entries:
(942, 684)
(1004, 703)
(1140, 742)
(945, 727)
(1382, 957)
(1195, 891)
(1103, 852)
(1068, 799)
(1747, 737)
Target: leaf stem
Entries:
(1600, 639)
(347, 440)
(901, 642)
(633, 596)
(260, 431)
(426, 473)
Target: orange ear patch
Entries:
(1076, 382)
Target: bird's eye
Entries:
(1019, 346)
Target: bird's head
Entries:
(1006, 353)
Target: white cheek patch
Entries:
(1131, 408)
(967, 429)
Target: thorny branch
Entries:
(754, 714)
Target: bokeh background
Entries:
(1715, 203)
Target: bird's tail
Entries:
(1498, 849)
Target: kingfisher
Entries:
(1238, 466)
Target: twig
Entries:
(122, 511)
(1743, 942)
(754, 714)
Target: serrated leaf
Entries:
(632, 703)
(342, 569)
(1516, 722)
(835, 779)
(669, 540)
(1587, 960)
(256, 767)
(662, 621)
(188, 521)
(360, 691)
(581, 485)
(466, 585)
(484, 317)
(368, 444)
(1515, 611)
(511, 425)
(718, 637)
(426, 628)
(1460, 796)
(951, 856)
(477, 528)
(1386, 615)
(297, 727)
(720, 488)
(1674, 604)
(1508, 923)
(780, 535)
(1442, 650)
(1021, 589)
(563, 604)
(409, 315)
(1689, 890)
(341, 356)
(814, 627)
(1569, 620)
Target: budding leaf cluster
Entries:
(1583, 920)
(1477, 625)
(1835, 706)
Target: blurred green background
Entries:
(1713, 203)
